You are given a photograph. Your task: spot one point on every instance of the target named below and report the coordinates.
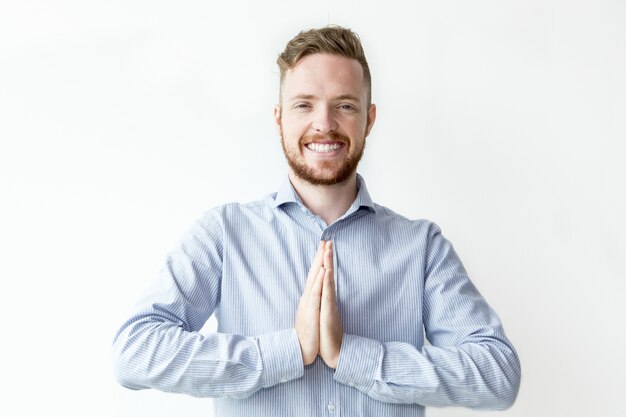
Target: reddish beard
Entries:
(338, 175)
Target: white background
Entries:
(121, 122)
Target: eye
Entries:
(347, 107)
(302, 106)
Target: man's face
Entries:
(323, 118)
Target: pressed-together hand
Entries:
(331, 332)
(308, 313)
(317, 319)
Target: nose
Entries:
(324, 121)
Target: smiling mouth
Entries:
(324, 147)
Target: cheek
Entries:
(353, 129)
(291, 129)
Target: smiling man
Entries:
(327, 115)
(324, 299)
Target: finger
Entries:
(312, 298)
(329, 286)
(319, 255)
(315, 295)
(328, 256)
(317, 263)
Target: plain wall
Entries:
(121, 122)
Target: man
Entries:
(323, 298)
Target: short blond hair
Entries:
(332, 39)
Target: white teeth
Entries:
(319, 147)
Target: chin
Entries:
(333, 178)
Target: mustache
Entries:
(331, 136)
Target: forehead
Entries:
(324, 75)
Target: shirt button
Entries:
(331, 407)
(283, 378)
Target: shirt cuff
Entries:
(359, 359)
(281, 357)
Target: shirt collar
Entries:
(287, 194)
(363, 198)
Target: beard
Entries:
(330, 173)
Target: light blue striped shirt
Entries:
(399, 282)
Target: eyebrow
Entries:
(311, 96)
(347, 97)
(303, 97)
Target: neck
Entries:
(327, 201)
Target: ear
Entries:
(277, 118)
(371, 118)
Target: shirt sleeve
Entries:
(469, 361)
(160, 345)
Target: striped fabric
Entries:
(398, 282)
